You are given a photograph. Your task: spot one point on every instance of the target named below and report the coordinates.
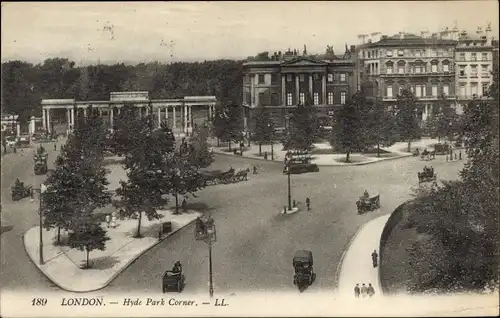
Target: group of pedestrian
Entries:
(111, 220)
(451, 155)
(364, 291)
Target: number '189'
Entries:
(39, 302)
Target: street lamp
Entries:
(289, 187)
(210, 239)
(41, 190)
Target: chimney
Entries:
(384, 37)
(353, 48)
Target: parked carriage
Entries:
(368, 204)
(203, 228)
(428, 155)
(426, 175)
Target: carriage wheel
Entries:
(179, 285)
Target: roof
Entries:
(409, 39)
(303, 254)
(300, 61)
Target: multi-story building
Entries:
(474, 64)
(281, 82)
(425, 65)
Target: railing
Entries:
(441, 73)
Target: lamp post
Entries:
(289, 188)
(209, 236)
(42, 189)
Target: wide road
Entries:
(17, 272)
(255, 244)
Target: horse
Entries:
(242, 174)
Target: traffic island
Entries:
(286, 211)
(64, 266)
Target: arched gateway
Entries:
(180, 114)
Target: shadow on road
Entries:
(5, 229)
(104, 262)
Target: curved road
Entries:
(255, 244)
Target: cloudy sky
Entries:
(132, 32)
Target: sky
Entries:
(133, 32)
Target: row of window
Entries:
(474, 87)
(417, 68)
(473, 56)
(420, 90)
(485, 70)
(302, 98)
(371, 54)
(261, 78)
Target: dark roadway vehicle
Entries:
(303, 265)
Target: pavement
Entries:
(357, 266)
(396, 151)
(63, 264)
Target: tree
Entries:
(127, 126)
(303, 126)
(87, 236)
(380, 125)
(446, 119)
(406, 118)
(349, 126)
(228, 123)
(264, 132)
(200, 155)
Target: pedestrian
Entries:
(265, 155)
(374, 258)
(184, 205)
(294, 204)
(15, 149)
(113, 220)
(308, 204)
(371, 290)
(357, 291)
(108, 219)
(254, 169)
(364, 290)
(455, 156)
(55, 146)
(446, 158)
(460, 155)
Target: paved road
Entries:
(16, 271)
(255, 244)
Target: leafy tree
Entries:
(264, 132)
(446, 119)
(406, 118)
(127, 126)
(349, 126)
(303, 126)
(201, 156)
(228, 124)
(380, 125)
(87, 236)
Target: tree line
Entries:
(158, 169)
(24, 85)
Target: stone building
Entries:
(282, 81)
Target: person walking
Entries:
(374, 258)
(108, 219)
(308, 204)
(357, 291)
(364, 291)
(55, 146)
(460, 155)
(370, 290)
(254, 169)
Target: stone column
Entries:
(191, 116)
(209, 112)
(174, 117)
(111, 110)
(297, 89)
(185, 118)
(68, 116)
(85, 112)
(73, 118)
(252, 89)
(311, 85)
(166, 115)
(32, 125)
(44, 119)
(323, 90)
(283, 90)
(18, 128)
(100, 112)
(159, 116)
(49, 126)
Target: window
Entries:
(316, 99)
(474, 56)
(401, 68)
(433, 53)
(446, 89)
(473, 87)
(274, 78)
(418, 53)
(462, 90)
(316, 76)
(342, 98)
(473, 71)
(302, 77)
(418, 90)
(330, 77)
(389, 69)
(486, 87)
(342, 77)
(302, 98)
(484, 71)
(434, 90)
(401, 53)
(389, 91)
(400, 89)
(434, 68)
(289, 99)
(274, 99)
(389, 53)
(288, 77)
(395, 53)
(261, 79)
(462, 70)
(462, 56)
(446, 67)
(330, 98)
(369, 54)
(484, 56)
(418, 69)
(261, 99)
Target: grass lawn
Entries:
(382, 155)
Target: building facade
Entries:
(284, 81)
(406, 61)
(180, 114)
(474, 64)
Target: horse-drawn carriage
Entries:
(427, 175)
(204, 228)
(20, 191)
(173, 279)
(40, 159)
(428, 155)
(367, 203)
(303, 266)
(225, 177)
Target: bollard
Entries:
(284, 210)
(294, 204)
